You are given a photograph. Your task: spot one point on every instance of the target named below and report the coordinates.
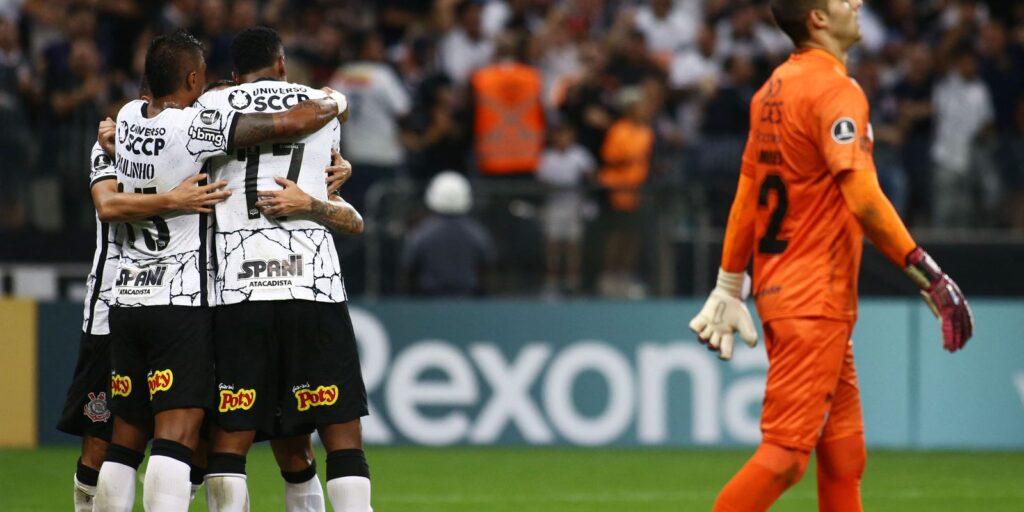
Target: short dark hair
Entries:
(217, 84)
(255, 48)
(144, 89)
(166, 61)
(791, 17)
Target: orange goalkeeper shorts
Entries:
(812, 392)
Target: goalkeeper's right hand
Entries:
(944, 298)
(723, 314)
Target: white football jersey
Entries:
(259, 258)
(104, 261)
(164, 259)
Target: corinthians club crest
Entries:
(96, 410)
(239, 99)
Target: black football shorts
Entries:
(286, 367)
(85, 409)
(161, 359)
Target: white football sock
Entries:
(115, 489)
(307, 496)
(167, 486)
(350, 494)
(226, 492)
(84, 495)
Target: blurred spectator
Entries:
(565, 169)
(694, 75)
(1012, 157)
(318, 47)
(77, 105)
(1001, 66)
(963, 113)
(626, 156)
(886, 132)
(434, 138)
(213, 31)
(508, 116)
(447, 253)
(558, 55)
(667, 27)
(585, 104)
(725, 124)
(744, 32)
(377, 100)
(244, 14)
(18, 143)
(177, 14)
(630, 63)
(465, 48)
(915, 117)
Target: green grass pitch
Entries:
(570, 480)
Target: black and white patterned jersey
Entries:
(104, 260)
(260, 258)
(164, 259)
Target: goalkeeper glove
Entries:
(723, 314)
(944, 298)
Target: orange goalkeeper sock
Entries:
(761, 481)
(840, 466)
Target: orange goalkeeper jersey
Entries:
(809, 123)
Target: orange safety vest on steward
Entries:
(509, 121)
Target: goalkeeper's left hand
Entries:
(723, 314)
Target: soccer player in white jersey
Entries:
(286, 353)
(161, 349)
(85, 411)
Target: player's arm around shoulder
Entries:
(335, 213)
(113, 205)
(302, 119)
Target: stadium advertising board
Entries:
(631, 374)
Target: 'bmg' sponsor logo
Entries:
(268, 273)
(234, 400)
(206, 134)
(307, 398)
(160, 380)
(120, 385)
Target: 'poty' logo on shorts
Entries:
(234, 400)
(307, 398)
(120, 385)
(160, 380)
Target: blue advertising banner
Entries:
(632, 374)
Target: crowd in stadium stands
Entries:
(602, 103)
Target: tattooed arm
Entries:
(335, 214)
(302, 119)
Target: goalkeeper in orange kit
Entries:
(807, 194)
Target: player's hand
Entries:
(190, 196)
(340, 99)
(105, 136)
(291, 200)
(944, 298)
(338, 173)
(724, 314)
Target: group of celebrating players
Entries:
(242, 164)
(276, 358)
